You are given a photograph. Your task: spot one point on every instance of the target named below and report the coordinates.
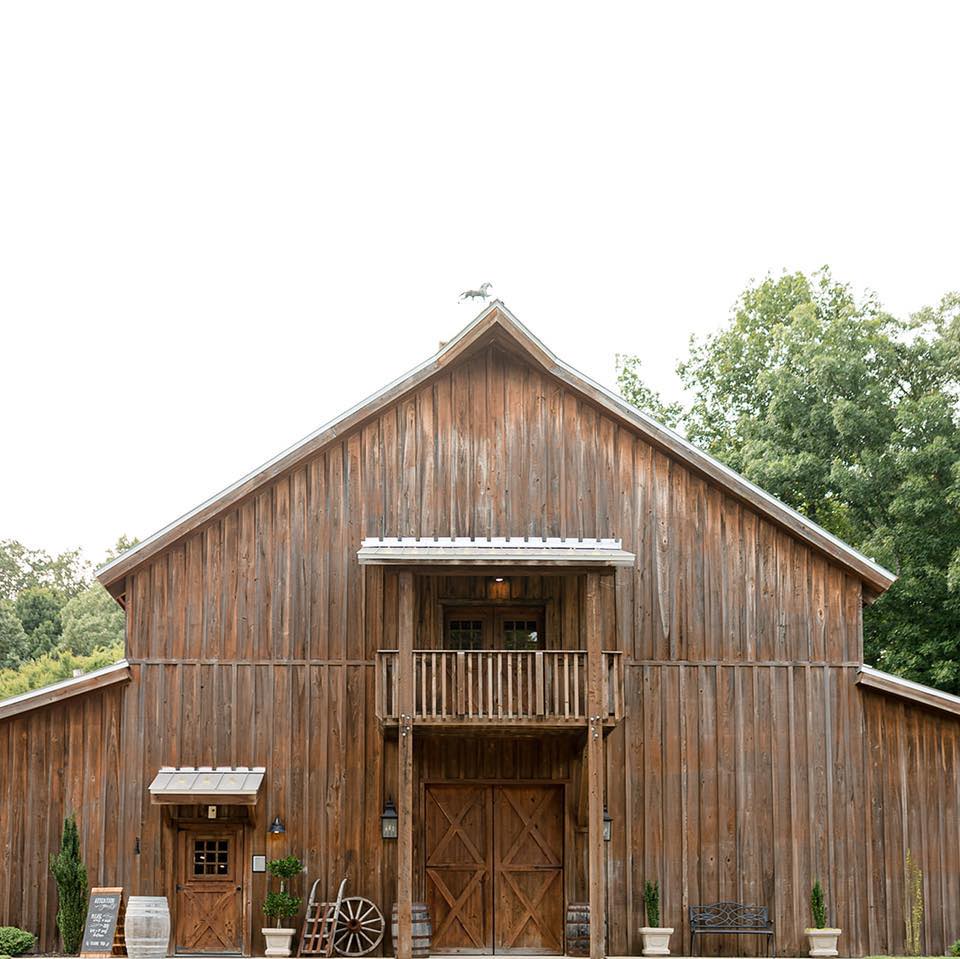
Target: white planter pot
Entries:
(656, 940)
(823, 942)
(278, 941)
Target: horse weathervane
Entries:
(481, 293)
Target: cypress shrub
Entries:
(71, 876)
(818, 907)
(651, 899)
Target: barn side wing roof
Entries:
(497, 320)
(65, 689)
(871, 678)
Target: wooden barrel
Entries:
(146, 929)
(422, 930)
(578, 929)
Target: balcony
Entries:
(497, 687)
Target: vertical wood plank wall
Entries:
(55, 760)
(748, 763)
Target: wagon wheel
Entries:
(359, 928)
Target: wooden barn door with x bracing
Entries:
(494, 868)
(209, 892)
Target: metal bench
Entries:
(730, 918)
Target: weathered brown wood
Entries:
(405, 627)
(595, 791)
(747, 760)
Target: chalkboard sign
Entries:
(102, 914)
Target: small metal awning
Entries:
(493, 551)
(216, 785)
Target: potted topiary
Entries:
(656, 938)
(280, 905)
(823, 940)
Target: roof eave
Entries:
(875, 577)
(65, 689)
(877, 679)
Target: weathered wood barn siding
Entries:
(56, 760)
(748, 763)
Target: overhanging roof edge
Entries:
(798, 525)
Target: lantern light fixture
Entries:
(277, 827)
(389, 821)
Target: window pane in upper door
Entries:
(521, 634)
(464, 634)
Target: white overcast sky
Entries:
(221, 224)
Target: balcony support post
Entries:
(595, 711)
(405, 625)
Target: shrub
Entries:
(651, 900)
(13, 941)
(285, 869)
(817, 906)
(71, 876)
(281, 905)
(954, 949)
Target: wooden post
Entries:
(597, 888)
(405, 781)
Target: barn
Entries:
(570, 650)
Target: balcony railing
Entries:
(490, 687)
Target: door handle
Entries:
(239, 888)
(179, 888)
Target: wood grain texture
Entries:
(748, 762)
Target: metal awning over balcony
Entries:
(497, 551)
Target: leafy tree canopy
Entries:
(22, 567)
(91, 620)
(39, 610)
(850, 415)
(13, 637)
(53, 620)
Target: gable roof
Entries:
(496, 321)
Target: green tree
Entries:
(13, 637)
(850, 415)
(22, 567)
(71, 876)
(643, 397)
(39, 610)
(91, 620)
(53, 667)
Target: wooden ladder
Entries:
(320, 923)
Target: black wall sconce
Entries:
(607, 825)
(277, 827)
(389, 821)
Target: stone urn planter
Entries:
(823, 942)
(278, 940)
(656, 940)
